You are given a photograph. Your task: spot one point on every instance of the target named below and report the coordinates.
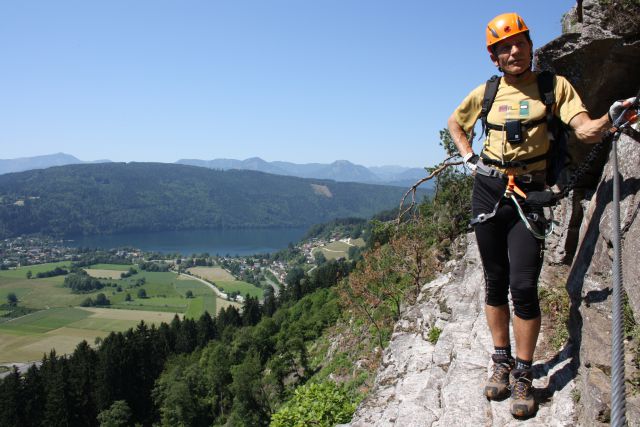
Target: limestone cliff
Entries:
(424, 384)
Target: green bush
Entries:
(323, 404)
(434, 334)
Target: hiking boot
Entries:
(522, 402)
(497, 386)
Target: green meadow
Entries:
(116, 267)
(61, 323)
(225, 281)
(242, 287)
(21, 272)
(338, 249)
(44, 321)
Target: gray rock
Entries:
(422, 384)
(590, 283)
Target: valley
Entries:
(55, 318)
(60, 322)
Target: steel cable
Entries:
(618, 403)
(618, 418)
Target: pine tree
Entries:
(57, 410)
(111, 375)
(187, 337)
(205, 329)
(227, 320)
(82, 369)
(33, 396)
(251, 311)
(270, 304)
(10, 399)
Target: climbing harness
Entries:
(618, 403)
(511, 191)
(555, 157)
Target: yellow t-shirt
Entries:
(519, 101)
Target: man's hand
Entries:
(618, 115)
(471, 161)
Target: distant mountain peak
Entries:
(38, 162)
(339, 170)
(343, 162)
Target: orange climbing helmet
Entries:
(503, 26)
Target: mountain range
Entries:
(340, 170)
(41, 162)
(110, 198)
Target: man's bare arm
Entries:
(589, 130)
(459, 137)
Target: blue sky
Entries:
(369, 81)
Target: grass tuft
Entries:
(434, 335)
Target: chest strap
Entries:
(525, 125)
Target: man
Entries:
(516, 146)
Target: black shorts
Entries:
(511, 256)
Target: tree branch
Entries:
(437, 171)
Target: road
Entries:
(218, 292)
(22, 367)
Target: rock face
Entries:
(425, 384)
(599, 53)
(590, 283)
(421, 383)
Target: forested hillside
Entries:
(235, 368)
(305, 356)
(118, 197)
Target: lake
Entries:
(214, 242)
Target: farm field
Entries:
(29, 337)
(339, 249)
(115, 267)
(239, 286)
(211, 273)
(103, 274)
(62, 324)
(200, 291)
(21, 272)
(107, 271)
(225, 281)
(40, 293)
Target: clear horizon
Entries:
(367, 81)
(185, 158)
